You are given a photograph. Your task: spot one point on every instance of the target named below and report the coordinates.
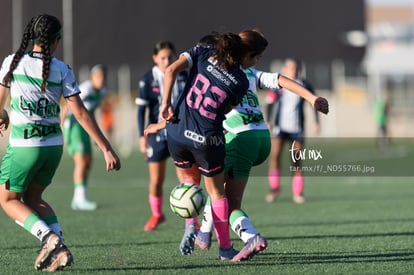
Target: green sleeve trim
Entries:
(33, 80)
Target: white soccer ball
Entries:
(187, 200)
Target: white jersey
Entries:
(290, 111)
(248, 115)
(91, 98)
(34, 114)
(290, 108)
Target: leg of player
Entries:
(220, 214)
(253, 241)
(23, 215)
(240, 222)
(155, 197)
(297, 179)
(189, 175)
(274, 169)
(203, 239)
(82, 163)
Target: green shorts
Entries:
(77, 139)
(245, 150)
(22, 166)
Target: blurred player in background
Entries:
(381, 111)
(155, 146)
(78, 141)
(107, 118)
(36, 82)
(247, 145)
(287, 126)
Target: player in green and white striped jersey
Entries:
(77, 139)
(36, 82)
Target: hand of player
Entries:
(4, 122)
(321, 105)
(154, 128)
(112, 160)
(143, 144)
(166, 112)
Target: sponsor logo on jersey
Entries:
(194, 136)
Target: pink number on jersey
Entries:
(196, 98)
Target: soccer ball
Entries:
(187, 200)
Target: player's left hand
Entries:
(321, 104)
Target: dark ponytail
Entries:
(228, 50)
(254, 42)
(42, 29)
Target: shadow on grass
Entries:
(90, 245)
(174, 269)
(339, 257)
(267, 259)
(343, 236)
(342, 222)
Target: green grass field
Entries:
(348, 225)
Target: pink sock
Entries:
(191, 181)
(274, 179)
(195, 220)
(155, 203)
(220, 213)
(297, 184)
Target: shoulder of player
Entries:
(148, 75)
(61, 66)
(8, 59)
(85, 86)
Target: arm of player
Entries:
(170, 76)
(154, 128)
(91, 127)
(4, 116)
(63, 114)
(275, 80)
(319, 103)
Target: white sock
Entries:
(79, 193)
(207, 221)
(36, 226)
(39, 230)
(243, 228)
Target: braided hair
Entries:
(42, 29)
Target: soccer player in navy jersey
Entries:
(195, 133)
(155, 146)
(248, 144)
(287, 126)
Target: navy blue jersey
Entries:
(149, 96)
(196, 134)
(207, 96)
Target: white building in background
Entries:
(389, 59)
